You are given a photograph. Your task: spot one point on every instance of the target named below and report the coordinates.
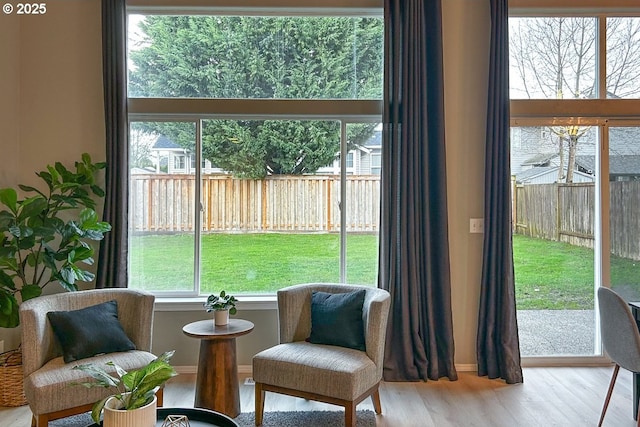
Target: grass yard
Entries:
(250, 263)
(549, 275)
(555, 275)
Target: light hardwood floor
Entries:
(549, 397)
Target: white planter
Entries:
(221, 317)
(141, 417)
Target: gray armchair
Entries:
(327, 373)
(47, 378)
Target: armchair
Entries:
(47, 378)
(327, 373)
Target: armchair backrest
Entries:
(135, 312)
(294, 314)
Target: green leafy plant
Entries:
(135, 389)
(222, 302)
(44, 237)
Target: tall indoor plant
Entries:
(45, 236)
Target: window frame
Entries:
(197, 109)
(601, 112)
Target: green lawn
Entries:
(555, 275)
(549, 275)
(256, 263)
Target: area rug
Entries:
(306, 418)
(271, 419)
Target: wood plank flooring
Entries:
(549, 397)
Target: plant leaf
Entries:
(9, 198)
(30, 291)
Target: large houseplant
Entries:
(44, 237)
(133, 390)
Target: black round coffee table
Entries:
(198, 417)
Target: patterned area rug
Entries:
(271, 419)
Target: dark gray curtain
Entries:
(414, 247)
(112, 264)
(498, 347)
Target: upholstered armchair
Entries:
(47, 378)
(328, 373)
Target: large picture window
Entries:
(261, 114)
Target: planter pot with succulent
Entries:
(222, 306)
(134, 403)
(45, 236)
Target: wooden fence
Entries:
(567, 212)
(165, 203)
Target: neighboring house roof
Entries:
(164, 143)
(374, 140)
(142, 171)
(618, 165)
(532, 173)
(539, 159)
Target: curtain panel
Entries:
(112, 261)
(414, 247)
(498, 347)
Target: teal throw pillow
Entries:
(336, 319)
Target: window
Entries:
(575, 108)
(269, 102)
(178, 162)
(376, 163)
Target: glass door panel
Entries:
(624, 211)
(553, 177)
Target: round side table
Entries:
(217, 379)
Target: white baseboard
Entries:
(242, 369)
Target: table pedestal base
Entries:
(217, 380)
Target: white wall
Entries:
(51, 109)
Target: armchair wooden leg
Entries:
(160, 397)
(375, 398)
(40, 421)
(259, 402)
(350, 415)
(606, 400)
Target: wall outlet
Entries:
(476, 225)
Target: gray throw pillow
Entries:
(336, 319)
(89, 331)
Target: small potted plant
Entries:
(134, 402)
(221, 306)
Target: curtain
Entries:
(112, 261)
(414, 247)
(498, 348)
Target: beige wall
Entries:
(51, 108)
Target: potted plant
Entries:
(134, 402)
(44, 238)
(221, 306)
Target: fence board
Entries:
(566, 212)
(165, 203)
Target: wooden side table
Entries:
(217, 379)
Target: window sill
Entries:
(263, 302)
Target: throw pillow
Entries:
(336, 319)
(89, 331)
